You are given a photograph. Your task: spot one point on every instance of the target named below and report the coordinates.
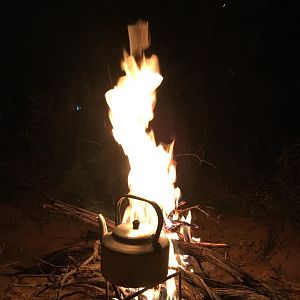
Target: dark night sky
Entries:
(229, 65)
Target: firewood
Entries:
(203, 254)
(213, 245)
(82, 214)
(191, 292)
(239, 293)
(194, 286)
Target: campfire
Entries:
(152, 168)
(149, 252)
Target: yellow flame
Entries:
(186, 230)
(152, 168)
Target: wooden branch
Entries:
(77, 212)
(202, 254)
(199, 282)
(212, 245)
(191, 292)
(239, 293)
(194, 285)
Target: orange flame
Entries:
(152, 169)
(152, 172)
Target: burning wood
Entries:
(139, 39)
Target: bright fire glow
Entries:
(152, 169)
(152, 172)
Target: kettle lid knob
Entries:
(136, 224)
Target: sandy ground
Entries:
(266, 247)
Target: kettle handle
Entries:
(154, 205)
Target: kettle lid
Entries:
(134, 231)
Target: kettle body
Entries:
(133, 257)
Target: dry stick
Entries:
(196, 156)
(227, 289)
(93, 257)
(101, 291)
(274, 295)
(33, 275)
(200, 282)
(194, 207)
(80, 213)
(201, 210)
(233, 286)
(45, 287)
(93, 278)
(191, 249)
(45, 262)
(241, 293)
(190, 292)
(83, 284)
(203, 244)
(212, 245)
(95, 254)
(10, 264)
(90, 217)
(78, 293)
(32, 285)
(200, 253)
(62, 281)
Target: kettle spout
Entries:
(102, 226)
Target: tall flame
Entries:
(152, 169)
(152, 172)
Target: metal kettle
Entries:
(132, 255)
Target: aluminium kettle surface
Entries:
(135, 261)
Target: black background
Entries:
(230, 91)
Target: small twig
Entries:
(92, 258)
(45, 288)
(89, 141)
(194, 207)
(287, 151)
(33, 275)
(91, 286)
(95, 254)
(32, 285)
(10, 264)
(198, 158)
(213, 245)
(61, 283)
(198, 280)
(45, 262)
(201, 253)
(77, 293)
(184, 223)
